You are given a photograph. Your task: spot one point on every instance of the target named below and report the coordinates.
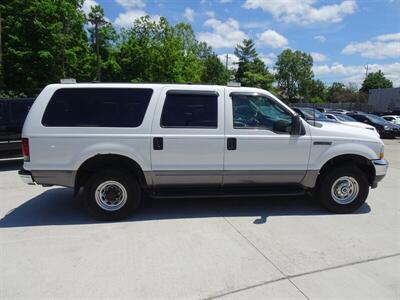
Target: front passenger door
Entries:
(259, 146)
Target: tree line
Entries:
(43, 41)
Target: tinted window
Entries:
(258, 112)
(360, 118)
(97, 107)
(190, 110)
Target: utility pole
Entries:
(96, 18)
(226, 61)
(96, 33)
(366, 71)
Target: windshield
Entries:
(309, 113)
(377, 119)
(344, 118)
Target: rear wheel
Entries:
(343, 189)
(112, 195)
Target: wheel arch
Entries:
(362, 162)
(101, 161)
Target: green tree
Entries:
(317, 89)
(246, 52)
(339, 93)
(102, 39)
(294, 73)
(375, 80)
(158, 52)
(252, 71)
(214, 71)
(43, 41)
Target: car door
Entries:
(188, 137)
(259, 150)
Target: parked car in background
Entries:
(385, 128)
(311, 115)
(322, 109)
(347, 120)
(392, 119)
(12, 116)
(337, 111)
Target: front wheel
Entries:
(343, 189)
(112, 195)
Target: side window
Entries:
(259, 112)
(330, 117)
(359, 118)
(97, 107)
(190, 110)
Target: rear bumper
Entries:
(26, 176)
(48, 177)
(381, 166)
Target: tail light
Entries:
(25, 149)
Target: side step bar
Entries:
(227, 192)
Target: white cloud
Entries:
(272, 39)
(87, 4)
(225, 1)
(127, 18)
(256, 25)
(379, 47)
(224, 34)
(388, 37)
(318, 57)
(131, 3)
(210, 14)
(269, 59)
(303, 11)
(232, 60)
(189, 14)
(356, 73)
(320, 38)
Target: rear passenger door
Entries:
(188, 137)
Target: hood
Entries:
(337, 131)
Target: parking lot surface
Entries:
(273, 248)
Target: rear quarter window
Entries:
(97, 107)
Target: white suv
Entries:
(118, 141)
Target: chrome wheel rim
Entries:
(345, 190)
(111, 195)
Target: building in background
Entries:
(384, 99)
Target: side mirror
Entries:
(281, 126)
(296, 125)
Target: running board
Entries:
(272, 191)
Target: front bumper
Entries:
(26, 176)
(381, 166)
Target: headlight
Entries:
(386, 127)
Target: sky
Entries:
(343, 36)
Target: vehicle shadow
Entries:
(58, 207)
(11, 164)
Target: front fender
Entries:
(321, 154)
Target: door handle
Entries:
(158, 143)
(231, 144)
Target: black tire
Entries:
(128, 182)
(327, 180)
